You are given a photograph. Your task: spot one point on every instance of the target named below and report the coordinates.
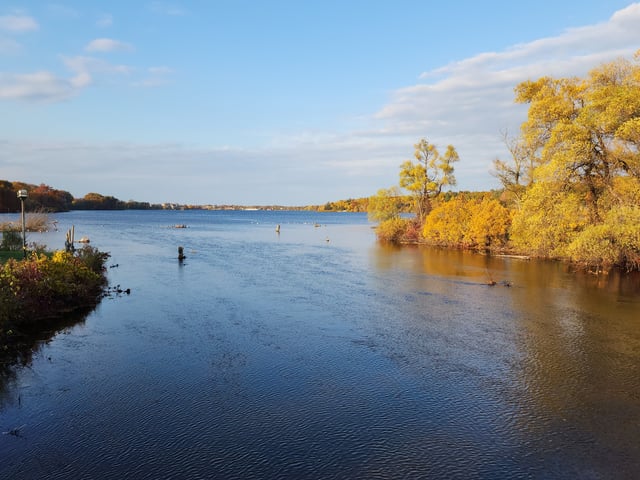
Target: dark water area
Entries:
(318, 353)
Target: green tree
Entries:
(426, 177)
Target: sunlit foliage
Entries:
(348, 205)
(571, 189)
(615, 241)
(448, 223)
(585, 136)
(44, 286)
(387, 204)
(468, 223)
(393, 230)
(428, 175)
(548, 219)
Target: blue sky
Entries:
(279, 102)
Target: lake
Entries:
(318, 353)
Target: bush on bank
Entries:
(43, 287)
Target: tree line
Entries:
(570, 189)
(43, 198)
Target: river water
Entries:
(318, 353)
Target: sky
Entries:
(283, 102)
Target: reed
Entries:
(34, 222)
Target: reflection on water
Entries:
(317, 353)
(561, 348)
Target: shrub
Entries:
(448, 223)
(92, 258)
(11, 240)
(393, 230)
(43, 287)
(490, 223)
(614, 242)
(547, 221)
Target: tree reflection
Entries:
(24, 345)
(560, 349)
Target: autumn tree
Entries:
(42, 198)
(428, 175)
(48, 199)
(385, 205)
(585, 135)
(516, 173)
(447, 223)
(96, 201)
(585, 131)
(477, 223)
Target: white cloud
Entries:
(18, 23)
(44, 86)
(81, 63)
(85, 68)
(38, 86)
(107, 45)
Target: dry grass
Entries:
(34, 222)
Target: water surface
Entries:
(317, 353)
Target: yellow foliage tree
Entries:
(585, 131)
(585, 136)
(385, 205)
(548, 220)
(448, 223)
(468, 223)
(490, 223)
(426, 178)
(616, 241)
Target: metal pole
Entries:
(24, 234)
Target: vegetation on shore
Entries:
(45, 287)
(570, 191)
(43, 198)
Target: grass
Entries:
(11, 238)
(6, 255)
